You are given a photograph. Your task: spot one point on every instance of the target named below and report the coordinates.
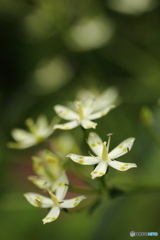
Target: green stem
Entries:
(85, 136)
(103, 182)
(103, 185)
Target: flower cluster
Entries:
(50, 165)
(38, 132)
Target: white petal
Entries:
(38, 200)
(90, 100)
(62, 187)
(101, 113)
(100, 170)
(28, 142)
(65, 113)
(67, 126)
(42, 122)
(43, 183)
(88, 124)
(52, 215)
(21, 135)
(108, 97)
(71, 203)
(88, 107)
(19, 145)
(24, 138)
(95, 143)
(122, 148)
(121, 166)
(43, 129)
(40, 182)
(83, 159)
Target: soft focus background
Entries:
(49, 51)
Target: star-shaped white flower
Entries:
(37, 133)
(83, 116)
(104, 157)
(56, 202)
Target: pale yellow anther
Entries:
(93, 145)
(37, 203)
(99, 143)
(126, 164)
(120, 146)
(122, 168)
(124, 149)
(101, 173)
(38, 197)
(81, 157)
(60, 184)
(81, 161)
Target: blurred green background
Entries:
(51, 49)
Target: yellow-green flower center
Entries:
(54, 199)
(80, 110)
(104, 152)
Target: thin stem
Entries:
(103, 183)
(85, 136)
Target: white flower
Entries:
(37, 133)
(56, 202)
(109, 96)
(82, 117)
(104, 157)
(49, 170)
